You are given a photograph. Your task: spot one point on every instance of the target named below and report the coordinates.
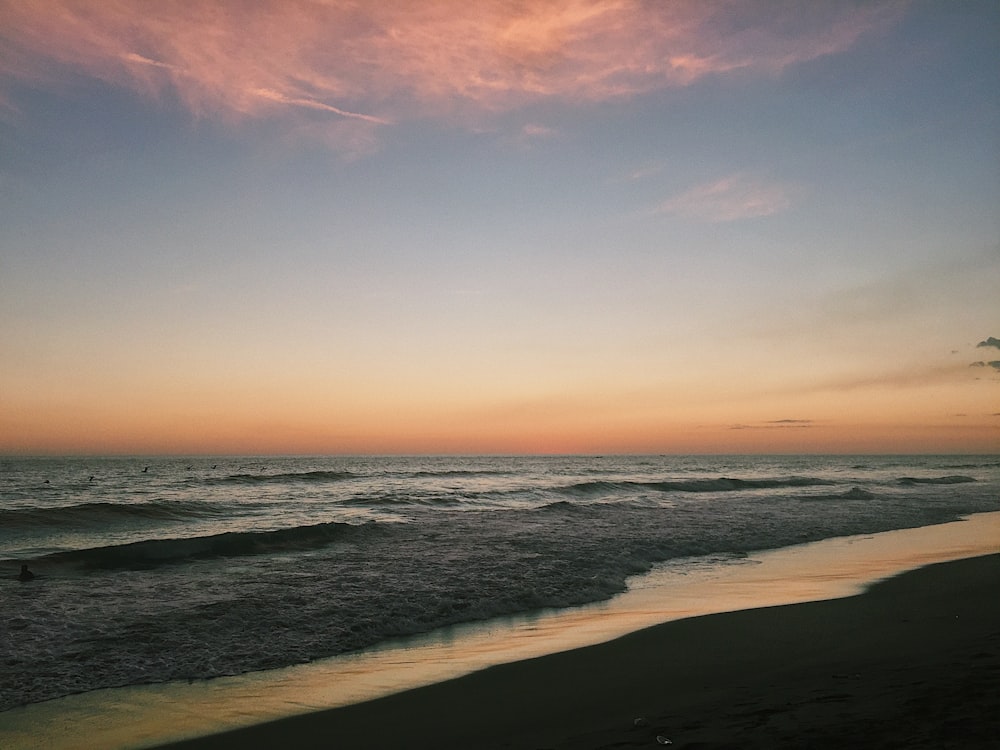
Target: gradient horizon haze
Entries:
(560, 226)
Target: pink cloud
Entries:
(735, 197)
(385, 61)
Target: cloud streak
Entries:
(775, 424)
(732, 198)
(986, 343)
(384, 62)
(995, 364)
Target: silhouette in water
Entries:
(25, 574)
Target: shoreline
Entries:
(148, 716)
(913, 661)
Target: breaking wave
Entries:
(720, 484)
(951, 479)
(154, 552)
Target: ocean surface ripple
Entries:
(187, 568)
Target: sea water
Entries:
(157, 569)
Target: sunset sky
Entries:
(546, 226)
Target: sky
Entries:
(508, 226)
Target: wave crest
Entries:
(97, 513)
(301, 476)
(154, 552)
(855, 493)
(950, 479)
(719, 484)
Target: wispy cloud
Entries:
(738, 196)
(534, 132)
(387, 61)
(989, 342)
(639, 173)
(642, 173)
(995, 364)
(900, 378)
(279, 98)
(775, 424)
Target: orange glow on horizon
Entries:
(878, 421)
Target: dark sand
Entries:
(914, 663)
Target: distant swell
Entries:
(725, 484)
(559, 505)
(96, 513)
(154, 552)
(461, 473)
(855, 493)
(721, 484)
(305, 476)
(413, 498)
(981, 465)
(953, 479)
(594, 488)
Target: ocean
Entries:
(156, 569)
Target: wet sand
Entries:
(913, 662)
